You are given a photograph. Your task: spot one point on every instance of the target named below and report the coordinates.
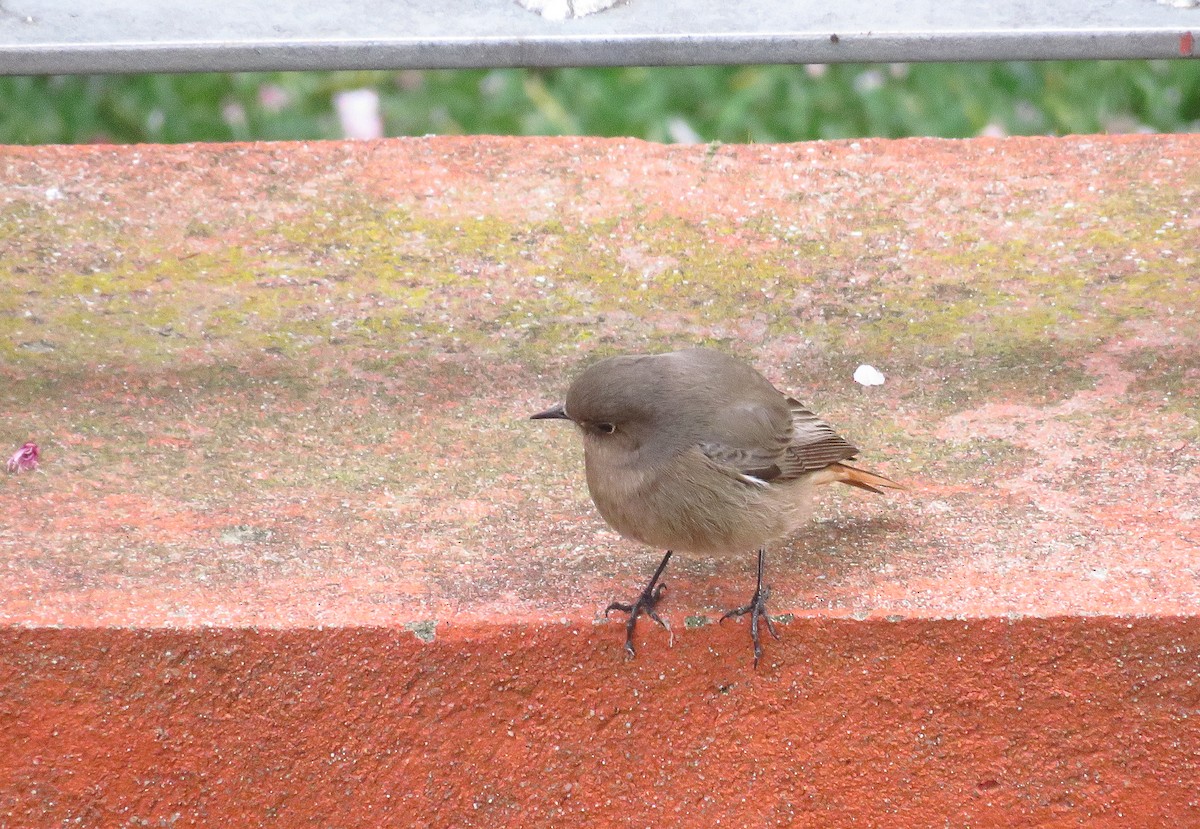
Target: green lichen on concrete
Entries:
(425, 630)
(544, 284)
(965, 316)
(979, 459)
(1170, 376)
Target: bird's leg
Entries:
(757, 608)
(645, 603)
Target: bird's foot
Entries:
(756, 609)
(646, 603)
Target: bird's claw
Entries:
(757, 609)
(646, 603)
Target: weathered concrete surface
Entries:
(280, 394)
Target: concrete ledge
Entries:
(1040, 722)
(294, 552)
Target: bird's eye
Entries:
(606, 428)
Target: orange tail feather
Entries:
(862, 479)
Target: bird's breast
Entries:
(687, 503)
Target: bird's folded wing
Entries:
(756, 464)
(749, 438)
(753, 443)
(814, 444)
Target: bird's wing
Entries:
(755, 467)
(751, 438)
(813, 445)
(765, 436)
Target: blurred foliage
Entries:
(729, 104)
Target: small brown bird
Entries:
(695, 451)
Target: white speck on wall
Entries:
(866, 375)
(358, 111)
(564, 9)
(681, 132)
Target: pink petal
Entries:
(24, 459)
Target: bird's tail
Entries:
(861, 478)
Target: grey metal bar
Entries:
(100, 36)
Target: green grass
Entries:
(729, 104)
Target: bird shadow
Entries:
(825, 556)
(836, 546)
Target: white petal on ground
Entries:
(866, 375)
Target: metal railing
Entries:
(102, 36)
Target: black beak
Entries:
(556, 412)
